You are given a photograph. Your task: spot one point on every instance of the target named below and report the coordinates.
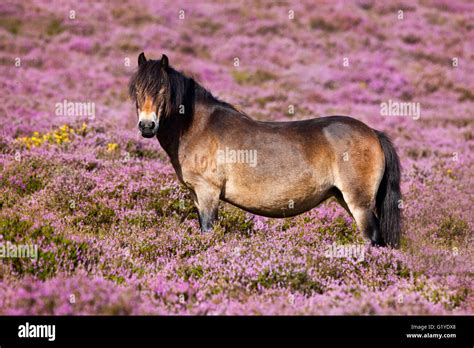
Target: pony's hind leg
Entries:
(206, 199)
(363, 214)
(340, 199)
(369, 224)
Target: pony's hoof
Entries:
(377, 243)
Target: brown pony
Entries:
(274, 169)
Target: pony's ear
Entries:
(164, 62)
(141, 59)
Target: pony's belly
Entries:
(278, 204)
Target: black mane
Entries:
(180, 89)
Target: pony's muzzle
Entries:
(148, 128)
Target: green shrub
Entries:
(62, 253)
(235, 220)
(55, 27)
(98, 214)
(252, 78)
(452, 230)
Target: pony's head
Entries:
(149, 88)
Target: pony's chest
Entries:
(196, 172)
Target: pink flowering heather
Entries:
(115, 232)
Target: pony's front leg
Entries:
(207, 202)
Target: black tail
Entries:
(389, 195)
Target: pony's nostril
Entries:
(146, 125)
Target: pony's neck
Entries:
(176, 125)
(197, 102)
(170, 132)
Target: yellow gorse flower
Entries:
(111, 147)
(63, 134)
